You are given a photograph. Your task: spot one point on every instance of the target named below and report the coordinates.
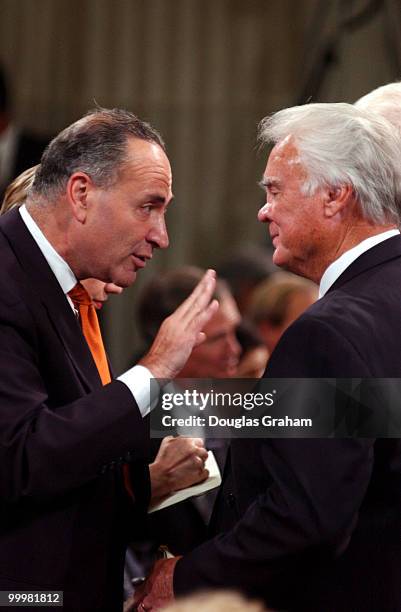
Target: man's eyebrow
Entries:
(156, 198)
(268, 182)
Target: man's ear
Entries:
(78, 188)
(338, 199)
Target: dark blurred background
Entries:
(204, 72)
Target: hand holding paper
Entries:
(179, 463)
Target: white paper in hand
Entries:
(213, 481)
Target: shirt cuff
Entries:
(138, 380)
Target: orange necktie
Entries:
(91, 330)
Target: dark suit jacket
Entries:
(65, 515)
(316, 524)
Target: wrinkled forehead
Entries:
(286, 152)
(148, 163)
(140, 152)
(285, 158)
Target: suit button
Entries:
(231, 500)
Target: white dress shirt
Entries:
(137, 378)
(335, 269)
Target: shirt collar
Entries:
(58, 265)
(335, 269)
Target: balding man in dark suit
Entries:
(74, 479)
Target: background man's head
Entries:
(218, 356)
(278, 302)
(108, 181)
(386, 102)
(330, 181)
(243, 269)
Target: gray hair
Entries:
(340, 144)
(385, 101)
(95, 144)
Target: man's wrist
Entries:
(156, 367)
(160, 482)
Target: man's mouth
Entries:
(231, 366)
(140, 260)
(273, 235)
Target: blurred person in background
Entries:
(384, 101)
(216, 601)
(184, 526)
(254, 354)
(278, 302)
(244, 269)
(17, 191)
(218, 356)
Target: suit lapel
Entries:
(377, 255)
(44, 285)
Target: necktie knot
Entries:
(80, 296)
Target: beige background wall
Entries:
(202, 71)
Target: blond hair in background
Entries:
(278, 302)
(17, 191)
(221, 601)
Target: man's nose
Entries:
(264, 213)
(233, 345)
(158, 234)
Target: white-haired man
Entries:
(316, 524)
(384, 101)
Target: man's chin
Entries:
(281, 258)
(125, 279)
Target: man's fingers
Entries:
(184, 445)
(189, 454)
(200, 296)
(140, 593)
(149, 603)
(201, 337)
(203, 475)
(201, 453)
(180, 332)
(203, 319)
(198, 442)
